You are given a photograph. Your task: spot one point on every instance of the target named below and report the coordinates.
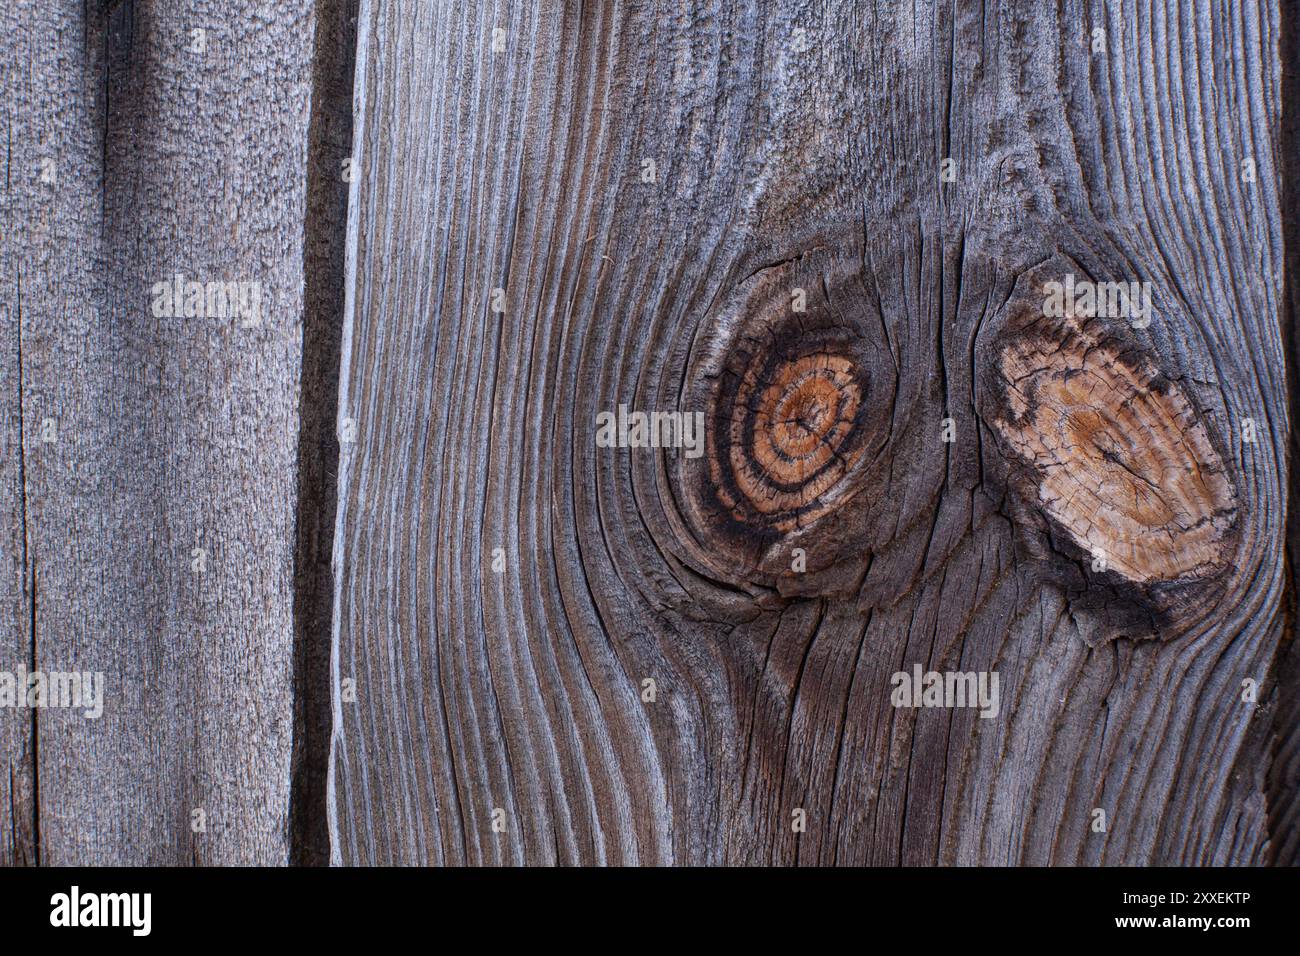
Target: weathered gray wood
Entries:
(52, 113)
(17, 796)
(802, 148)
(176, 436)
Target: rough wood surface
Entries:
(505, 585)
(818, 240)
(153, 540)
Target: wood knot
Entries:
(1120, 458)
(786, 429)
(797, 388)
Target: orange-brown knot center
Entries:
(1121, 458)
(788, 431)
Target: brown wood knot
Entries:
(797, 392)
(1120, 458)
(787, 420)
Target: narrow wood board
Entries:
(149, 532)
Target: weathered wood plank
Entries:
(52, 203)
(800, 147)
(159, 526)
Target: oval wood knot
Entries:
(1120, 457)
(799, 390)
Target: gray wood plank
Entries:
(159, 527)
(802, 148)
(51, 227)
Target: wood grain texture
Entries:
(51, 212)
(796, 146)
(174, 432)
(18, 839)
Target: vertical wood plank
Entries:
(160, 523)
(504, 587)
(52, 200)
